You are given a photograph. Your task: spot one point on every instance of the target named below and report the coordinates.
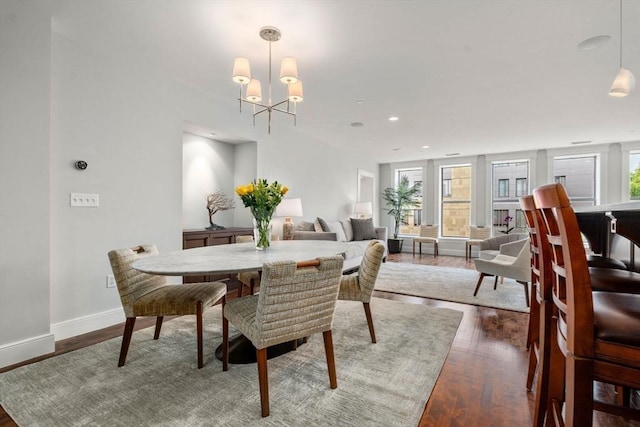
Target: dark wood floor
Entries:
(482, 382)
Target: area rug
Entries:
(383, 384)
(449, 284)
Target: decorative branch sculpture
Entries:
(217, 201)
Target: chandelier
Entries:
(624, 82)
(253, 91)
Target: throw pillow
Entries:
(336, 227)
(363, 229)
(323, 224)
(348, 230)
(305, 226)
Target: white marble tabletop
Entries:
(234, 258)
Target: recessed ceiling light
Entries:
(593, 42)
(212, 134)
(397, 149)
(580, 142)
(425, 146)
(393, 118)
(359, 101)
(357, 124)
(452, 154)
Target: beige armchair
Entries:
(144, 294)
(490, 247)
(513, 261)
(247, 278)
(295, 301)
(359, 286)
(428, 234)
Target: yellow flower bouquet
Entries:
(262, 198)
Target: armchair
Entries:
(513, 261)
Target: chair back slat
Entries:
(132, 284)
(479, 233)
(571, 281)
(295, 301)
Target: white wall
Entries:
(24, 182)
(63, 101)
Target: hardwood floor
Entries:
(482, 382)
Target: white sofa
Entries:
(341, 231)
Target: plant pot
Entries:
(394, 246)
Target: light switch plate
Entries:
(85, 200)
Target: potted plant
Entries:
(399, 200)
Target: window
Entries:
(446, 188)
(506, 175)
(503, 188)
(499, 216)
(521, 221)
(412, 219)
(455, 208)
(578, 176)
(521, 187)
(634, 175)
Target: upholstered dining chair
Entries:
(359, 285)
(513, 262)
(597, 333)
(145, 294)
(429, 235)
(247, 278)
(476, 235)
(295, 301)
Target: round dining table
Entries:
(236, 258)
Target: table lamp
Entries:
(363, 209)
(288, 208)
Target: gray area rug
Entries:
(383, 384)
(450, 284)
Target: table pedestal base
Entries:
(241, 351)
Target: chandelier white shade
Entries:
(253, 92)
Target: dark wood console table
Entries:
(197, 238)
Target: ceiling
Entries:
(467, 77)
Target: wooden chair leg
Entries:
(126, 339)
(482, 276)
(225, 341)
(240, 288)
(367, 312)
(495, 283)
(199, 333)
(526, 291)
(331, 363)
(555, 395)
(263, 380)
(579, 392)
(156, 334)
(435, 250)
(252, 286)
(544, 360)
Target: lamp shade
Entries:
(289, 208)
(254, 91)
(295, 92)
(289, 70)
(363, 208)
(241, 71)
(623, 84)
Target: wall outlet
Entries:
(111, 281)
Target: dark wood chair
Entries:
(595, 335)
(145, 294)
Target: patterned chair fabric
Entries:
(359, 286)
(295, 301)
(145, 294)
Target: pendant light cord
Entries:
(620, 33)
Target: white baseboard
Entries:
(82, 325)
(20, 351)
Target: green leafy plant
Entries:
(262, 198)
(401, 199)
(634, 184)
